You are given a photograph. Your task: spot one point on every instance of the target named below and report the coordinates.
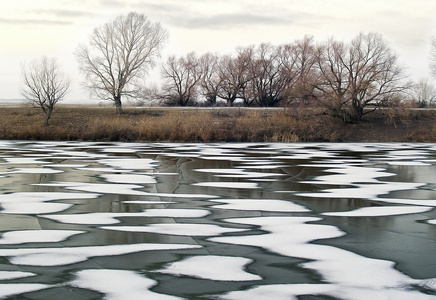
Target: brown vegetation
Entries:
(212, 125)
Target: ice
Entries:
(34, 202)
(231, 185)
(291, 236)
(71, 255)
(12, 289)
(184, 229)
(111, 218)
(238, 173)
(212, 267)
(259, 204)
(36, 236)
(129, 178)
(365, 190)
(8, 275)
(34, 171)
(406, 201)
(130, 164)
(380, 211)
(118, 284)
(433, 222)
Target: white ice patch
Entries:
(408, 163)
(118, 284)
(365, 190)
(231, 185)
(212, 267)
(259, 204)
(129, 178)
(380, 211)
(36, 236)
(24, 161)
(35, 202)
(349, 272)
(111, 218)
(433, 222)
(183, 229)
(238, 173)
(12, 289)
(34, 171)
(130, 164)
(70, 255)
(8, 275)
(351, 174)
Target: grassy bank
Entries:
(215, 125)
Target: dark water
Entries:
(217, 221)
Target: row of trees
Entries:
(344, 78)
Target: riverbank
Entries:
(92, 123)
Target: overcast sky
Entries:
(32, 28)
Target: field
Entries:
(92, 123)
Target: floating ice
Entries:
(8, 275)
(118, 284)
(184, 229)
(259, 204)
(34, 171)
(238, 173)
(406, 201)
(104, 188)
(34, 202)
(365, 190)
(380, 211)
(212, 267)
(129, 178)
(12, 289)
(231, 185)
(351, 273)
(70, 255)
(111, 218)
(36, 236)
(130, 164)
(433, 222)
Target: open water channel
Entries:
(84, 220)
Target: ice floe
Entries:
(184, 229)
(8, 275)
(118, 284)
(381, 211)
(259, 204)
(36, 236)
(212, 267)
(12, 289)
(238, 173)
(70, 255)
(130, 163)
(111, 218)
(231, 185)
(129, 178)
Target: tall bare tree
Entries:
(210, 80)
(433, 56)
(364, 73)
(119, 54)
(425, 93)
(44, 84)
(181, 78)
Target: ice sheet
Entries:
(118, 284)
(71, 255)
(130, 163)
(380, 211)
(212, 267)
(129, 178)
(36, 236)
(184, 229)
(231, 185)
(11, 289)
(111, 218)
(259, 204)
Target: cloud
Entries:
(63, 13)
(33, 22)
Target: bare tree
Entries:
(425, 93)
(210, 80)
(119, 54)
(234, 76)
(44, 84)
(362, 74)
(181, 77)
(433, 56)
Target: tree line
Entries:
(347, 79)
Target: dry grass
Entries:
(215, 125)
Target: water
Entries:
(82, 220)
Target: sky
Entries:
(30, 29)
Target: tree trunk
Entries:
(48, 112)
(118, 105)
